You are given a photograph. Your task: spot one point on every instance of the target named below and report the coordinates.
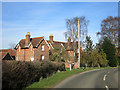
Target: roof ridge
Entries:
(38, 37)
(5, 49)
(58, 41)
(34, 38)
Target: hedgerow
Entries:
(18, 74)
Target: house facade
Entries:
(32, 49)
(37, 49)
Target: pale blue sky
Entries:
(45, 18)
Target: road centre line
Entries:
(104, 77)
(107, 87)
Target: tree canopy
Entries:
(89, 44)
(59, 54)
(110, 51)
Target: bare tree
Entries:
(119, 39)
(109, 29)
(11, 45)
(72, 30)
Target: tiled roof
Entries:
(4, 52)
(2, 55)
(10, 51)
(57, 43)
(34, 42)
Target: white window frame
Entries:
(31, 47)
(32, 58)
(77, 50)
(42, 47)
(42, 57)
(17, 58)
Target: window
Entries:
(77, 50)
(31, 47)
(42, 57)
(74, 53)
(32, 58)
(17, 58)
(42, 47)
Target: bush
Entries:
(18, 74)
(61, 66)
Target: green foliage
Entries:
(98, 59)
(89, 44)
(94, 59)
(110, 51)
(18, 74)
(118, 59)
(58, 54)
(85, 59)
(103, 60)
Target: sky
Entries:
(45, 18)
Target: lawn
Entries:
(57, 78)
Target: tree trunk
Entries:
(92, 65)
(99, 65)
(86, 65)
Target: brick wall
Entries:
(24, 54)
(28, 54)
(20, 55)
(39, 52)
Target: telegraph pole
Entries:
(78, 45)
(119, 40)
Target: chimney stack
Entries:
(69, 41)
(51, 37)
(27, 39)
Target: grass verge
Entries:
(57, 78)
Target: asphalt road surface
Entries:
(102, 78)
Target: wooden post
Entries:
(78, 45)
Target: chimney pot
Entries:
(51, 37)
(27, 39)
(69, 40)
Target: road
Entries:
(102, 78)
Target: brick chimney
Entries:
(51, 37)
(69, 41)
(27, 39)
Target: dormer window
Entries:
(42, 47)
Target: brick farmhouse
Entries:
(36, 49)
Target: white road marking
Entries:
(108, 72)
(107, 87)
(104, 77)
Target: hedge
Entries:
(18, 74)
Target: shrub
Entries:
(18, 74)
(61, 66)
